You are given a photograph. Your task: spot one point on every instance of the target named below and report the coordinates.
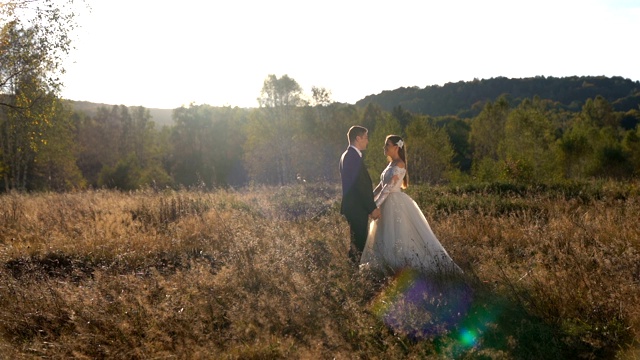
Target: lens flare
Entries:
(468, 338)
(419, 307)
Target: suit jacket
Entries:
(357, 189)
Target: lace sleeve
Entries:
(398, 174)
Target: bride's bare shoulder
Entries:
(401, 164)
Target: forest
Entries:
(518, 136)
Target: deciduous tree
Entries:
(56, 167)
(528, 150)
(429, 152)
(271, 146)
(50, 24)
(593, 145)
(34, 40)
(28, 104)
(487, 131)
(206, 146)
(374, 155)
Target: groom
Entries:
(357, 191)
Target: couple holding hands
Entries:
(398, 236)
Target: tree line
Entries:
(287, 139)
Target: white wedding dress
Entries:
(402, 237)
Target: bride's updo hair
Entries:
(402, 154)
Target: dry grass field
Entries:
(262, 273)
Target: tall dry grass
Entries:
(262, 273)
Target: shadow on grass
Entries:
(460, 319)
(59, 265)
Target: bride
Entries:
(402, 237)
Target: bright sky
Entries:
(164, 54)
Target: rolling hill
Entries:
(466, 99)
(162, 117)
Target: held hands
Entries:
(375, 214)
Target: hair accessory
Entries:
(400, 143)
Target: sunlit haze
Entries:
(161, 54)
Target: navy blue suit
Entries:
(357, 199)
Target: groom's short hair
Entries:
(355, 131)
